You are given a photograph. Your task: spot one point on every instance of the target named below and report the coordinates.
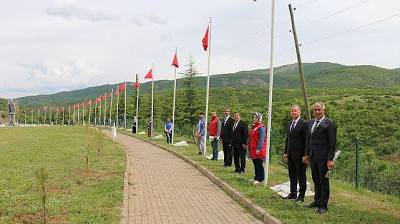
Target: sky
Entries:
(48, 46)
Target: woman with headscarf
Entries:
(257, 147)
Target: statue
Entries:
(11, 112)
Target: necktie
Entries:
(293, 125)
(315, 126)
(234, 126)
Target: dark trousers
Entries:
(239, 157)
(321, 183)
(227, 153)
(169, 137)
(258, 169)
(297, 174)
(149, 132)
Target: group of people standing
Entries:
(237, 140)
(308, 143)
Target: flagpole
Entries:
(112, 97)
(95, 114)
(100, 111)
(152, 103)
(50, 117)
(105, 108)
(57, 116)
(69, 114)
(117, 105)
(271, 83)
(173, 106)
(45, 116)
(137, 103)
(32, 118)
(90, 111)
(125, 107)
(83, 112)
(208, 87)
(78, 113)
(63, 115)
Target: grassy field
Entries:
(76, 193)
(347, 205)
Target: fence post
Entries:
(357, 163)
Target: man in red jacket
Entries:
(214, 132)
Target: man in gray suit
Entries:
(320, 151)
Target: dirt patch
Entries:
(54, 190)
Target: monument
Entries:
(11, 112)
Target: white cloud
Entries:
(49, 46)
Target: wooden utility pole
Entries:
(296, 43)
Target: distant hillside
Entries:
(317, 75)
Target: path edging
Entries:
(235, 195)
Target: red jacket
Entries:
(254, 139)
(214, 127)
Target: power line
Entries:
(351, 30)
(337, 12)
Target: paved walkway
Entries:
(165, 189)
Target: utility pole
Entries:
(296, 43)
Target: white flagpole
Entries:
(112, 97)
(38, 116)
(63, 116)
(105, 108)
(32, 117)
(25, 116)
(117, 106)
(57, 117)
(90, 111)
(208, 86)
(45, 116)
(137, 104)
(173, 106)
(83, 112)
(78, 114)
(100, 112)
(271, 84)
(152, 103)
(125, 107)
(73, 116)
(95, 114)
(69, 115)
(50, 116)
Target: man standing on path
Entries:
(200, 133)
(214, 133)
(226, 137)
(240, 133)
(296, 136)
(320, 151)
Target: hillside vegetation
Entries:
(318, 75)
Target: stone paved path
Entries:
(165, 189)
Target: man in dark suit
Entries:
(320, 151)
(296, 136)
(226, 136)
(240, 133)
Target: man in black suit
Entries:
(320, 151)
(296, 136)
(226, 136)
(240, 133)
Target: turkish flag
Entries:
(205, 39)
(175, 61)
(149, 74)
(137, 83)
(122, 87)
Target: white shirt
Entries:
(315, 123)
(294, 123)
(236, 124)
(226, 118)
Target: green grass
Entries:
(75, 194)
(346, 205)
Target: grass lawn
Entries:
(346, 205)
(76, 194)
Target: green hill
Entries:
(320, 74)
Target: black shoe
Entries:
(199, 153)
(311, 205)
(321, 210)
(299, 200)
(290, 196)
(236, 171)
